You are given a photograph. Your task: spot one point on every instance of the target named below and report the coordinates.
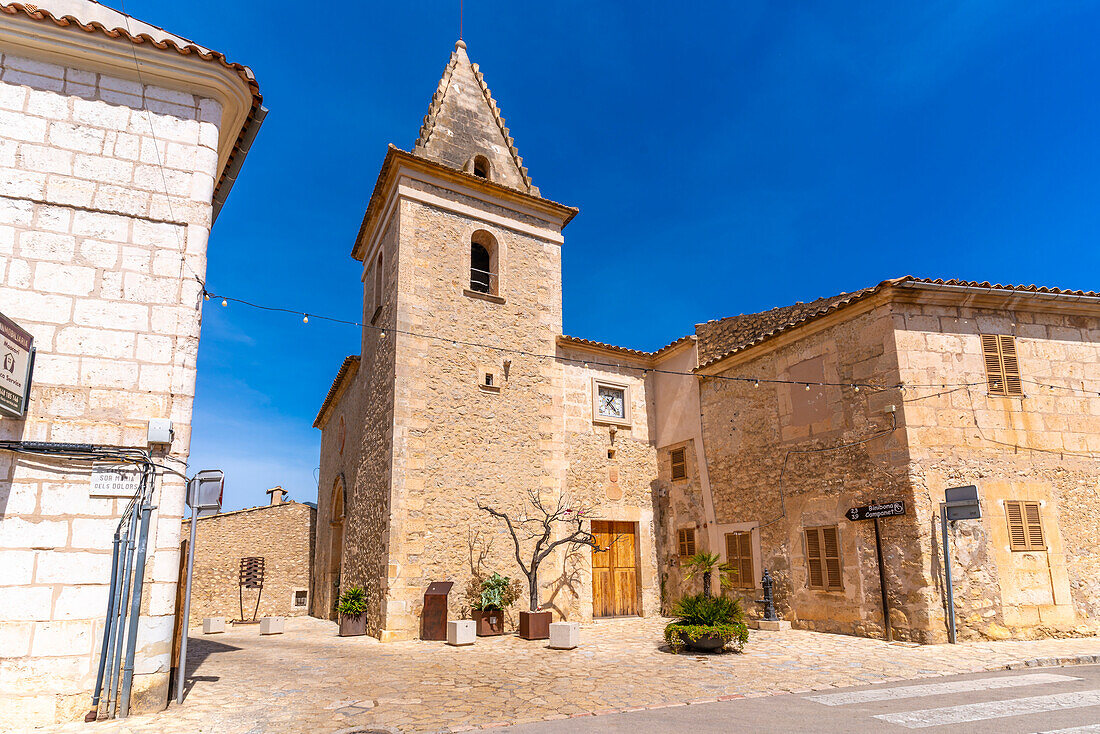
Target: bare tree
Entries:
(540, 527)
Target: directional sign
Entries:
(16, 365)
(870, 512)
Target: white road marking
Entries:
(1089, 729)
(940, 689)
(992, 709)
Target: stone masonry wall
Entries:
(757, 483)
(1039, 447)
(281, 534)
(98, 264)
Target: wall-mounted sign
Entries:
(16, 366)
(870, 512)
(115, 480)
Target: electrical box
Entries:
(160, 431)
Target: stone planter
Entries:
(534, 625)
(213, 625)
(272, 625)
(564, 635)
(708, 643)
(353, 626)
(489, 622)
(461, 632)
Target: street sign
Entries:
(16, 366)
(870, 512)
(962, 503)
(115, 480)
(204, 492)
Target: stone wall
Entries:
(763, 484)
(281, 534)
(99, 265)
(1039, 447)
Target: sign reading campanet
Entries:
(16, 365)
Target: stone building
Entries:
(110, 180)
(280, 533)
(750, 437)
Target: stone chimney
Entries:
(277, 494)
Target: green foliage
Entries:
(353, 602)
(496, 592)
(700, 616)
(703, 565)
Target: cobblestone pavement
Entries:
(310, 680)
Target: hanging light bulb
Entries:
(857, 388)
(206, 296)
(305, 318)
(383, 333)
(807, 387)
(225, 302)
(756, 383)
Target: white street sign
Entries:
(113, 480)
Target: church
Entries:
(751, 437)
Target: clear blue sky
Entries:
(725, 160)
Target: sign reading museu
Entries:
(16, 366)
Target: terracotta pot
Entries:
(489, 622)
(535, 625)
(709, 643)
(353, 626)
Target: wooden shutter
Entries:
(679, 464)
(1002, 368)
(823, 558)
(1025, 526)
(739, 557)
(687, 542)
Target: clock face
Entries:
(610, 402)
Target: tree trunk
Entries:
(706, 584)
(533, 583)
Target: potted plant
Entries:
(488, 598)
(707, 624)
(352, 608)
(548, 526)
(705, 565)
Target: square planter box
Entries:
(534, 625)
(353, 626)
(213, 625)
(272, 625)
(461, 632)
(565, 635)
(489, 622)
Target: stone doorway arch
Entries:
(338, 503)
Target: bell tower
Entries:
(461, 395)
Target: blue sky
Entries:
(726, 158)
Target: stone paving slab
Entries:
(311, 680)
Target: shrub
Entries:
(700, 616)
(353, 602)
(495, 592)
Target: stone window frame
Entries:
(1032, 536)
(379, 284)
(294, 599)
(789, 430)
(485, 383)
(825, 585)
(626, 420)
(497, 250)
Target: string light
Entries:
(807, 387)
(305, 318)
(206, 296)
(756, 383)
(225, 302)
(856, 388)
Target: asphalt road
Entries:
(1054, 700)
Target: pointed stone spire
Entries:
(464, 122)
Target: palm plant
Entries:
(705, 564)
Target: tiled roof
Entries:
(576, 341)
(161, 40)
(347, 369)
(720, 338)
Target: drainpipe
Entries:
(120, 618)
(234, 169)
(105, 651)
(135, 602)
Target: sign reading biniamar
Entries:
(16, 366)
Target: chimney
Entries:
(276, 495)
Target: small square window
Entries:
(487, 380)
(610, 402)
(300, 597)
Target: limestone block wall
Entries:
(98, 263)
(615, 477)
(759, 486)
(281, 534)
(1040, 447)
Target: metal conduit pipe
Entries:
(120, 620)
(135, 596)
(102, 667)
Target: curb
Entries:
(1049, 662)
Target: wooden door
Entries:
(614, 571)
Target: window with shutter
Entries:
(1002, 368)
(1025, 526)
(679, 464)
(739, 557)
(823, 558)
(686, 537)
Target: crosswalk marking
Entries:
(939, 689)
(992, 709)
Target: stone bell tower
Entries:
(461, 256)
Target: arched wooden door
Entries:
(615, 571)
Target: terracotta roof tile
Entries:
(347, 369)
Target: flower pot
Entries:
(534, 625)
(489, 622)
(707, 643)
(352, 626)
